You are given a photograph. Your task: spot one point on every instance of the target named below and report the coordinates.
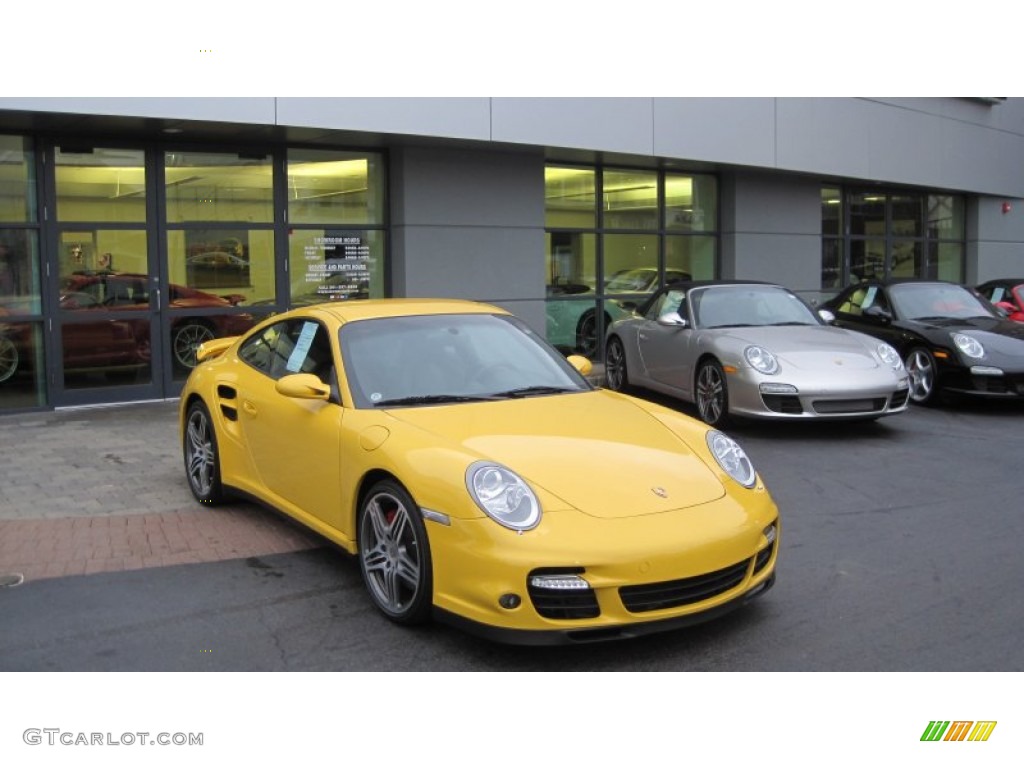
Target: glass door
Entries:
(102, 278)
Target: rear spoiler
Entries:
(213, 348)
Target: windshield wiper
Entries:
(535, 390)
(728, 325)
(790, 322)
(433, 399)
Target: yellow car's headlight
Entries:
(732, 458)
(503, 495)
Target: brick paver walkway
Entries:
(94, 490)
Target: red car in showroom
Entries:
(1007, 293)
(124, 344)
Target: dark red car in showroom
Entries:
(116, 344)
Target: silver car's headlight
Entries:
(890, 357)
(732, 458)
(969, 345)
(503, 495)
(762, 360)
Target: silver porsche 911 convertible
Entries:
(752, 350)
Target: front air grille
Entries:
(670, 594)
(995, 385)
(865, 405)
(899, 398)
(564, 603)
(782, 403)
(763, 557)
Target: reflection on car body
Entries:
(475, 473)
(754, 350)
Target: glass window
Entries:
(831, 211)
(630, 264)
(832, 264)
(946, 261)
(906, 259)
(946, 217)
(689, 257)
(97, 251)
(19, 272)
(100, 184)
(209, 186)
(235, 261)
(907, 215)
(21, 365)
(691, 203)
(326, 187)
(334, 264)
(630, 199)
(570, 197)
(17, 180)
(571, 263)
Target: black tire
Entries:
(616, 374)
(587, 343)
(711, 394)
(394, 554)
(202, 458)
(185, 340)
(920, 364)
(8, 358)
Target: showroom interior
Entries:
(131, 230)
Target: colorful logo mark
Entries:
(959, 730)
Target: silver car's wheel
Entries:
(615, 366)
(8, 358)
(186, 340)
(202, 462)
(921, 366)
(712, 394)
(394, 554)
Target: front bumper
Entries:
(642, 574)
(817, 398)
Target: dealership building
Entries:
(133, 229)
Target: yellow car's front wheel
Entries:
(394, 554)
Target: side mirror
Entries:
(303, 386)
(581, 364)
(827, 316)
(879, 314)
(673, 320)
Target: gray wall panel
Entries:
(613, 125)
(258, 110)
(492, 264)
(740, 131)
(823, 136)
(461, 118)
(471, 189)
(470, 225)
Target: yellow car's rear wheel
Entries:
(394, 554)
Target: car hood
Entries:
(811, 347)
(996, 334)
(598, 452)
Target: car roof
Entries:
(367, 309)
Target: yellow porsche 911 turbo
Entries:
(476, 474)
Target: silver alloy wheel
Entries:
(8, 358)
(712, 398)
(921, 367)
(187, 338)
(200, 453)
(615, 366)
(391, 555)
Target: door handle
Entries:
(249, 408)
